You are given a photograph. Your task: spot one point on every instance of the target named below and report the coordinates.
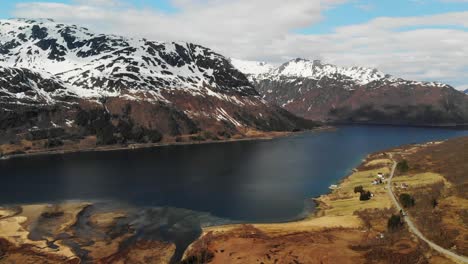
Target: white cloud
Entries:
(455, 1)
(411, 47)
(98, 2)
(462, 87)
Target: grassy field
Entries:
(421, 179)
(344, 202)
(377, 162)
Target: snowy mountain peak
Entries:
(317, 70)
(252, 67)
(112, 65)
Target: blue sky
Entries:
(357, 12)
(414, 39)
(164, 5)
(351, 12)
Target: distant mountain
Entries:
(53, 73)
(326, 92)
(252, 67)
(466, 91)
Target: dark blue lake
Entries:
(248, 181)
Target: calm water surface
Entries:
(247, 181)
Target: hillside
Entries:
(326, 92)
(69, 80)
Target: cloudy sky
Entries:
(415, 39)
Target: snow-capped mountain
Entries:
(52, 71)
(326, 92)
(252, 67)
(316, 70)
(107, 64)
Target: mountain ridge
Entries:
(52, 74)
(329, 93)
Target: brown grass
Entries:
(440, 172)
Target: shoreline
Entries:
(337, 212)
(436, 126)
(137, 146)
(335, 224)
(317, 201)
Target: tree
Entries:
(358, 189)
(154, 136)
(54, 142)
(365, 196)
(407, 200)
(125, 129)
(403, 166)
(208, 135)
(394, 223)
(82, 118)
(105, 135)
(138, 134)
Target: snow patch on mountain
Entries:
(252, 67)
(97, 65)
(316, 70)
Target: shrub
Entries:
(394, 223)
(403, 166)
(406, 200)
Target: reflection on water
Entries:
(249, 181)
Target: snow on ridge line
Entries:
(96, 65)
(303, 68)
(252, 67)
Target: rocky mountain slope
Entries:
(57, 77)
(326, 92)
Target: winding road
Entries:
(412, 227)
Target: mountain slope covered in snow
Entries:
(58, 76)
(326, 92)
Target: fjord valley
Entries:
(127, 180)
